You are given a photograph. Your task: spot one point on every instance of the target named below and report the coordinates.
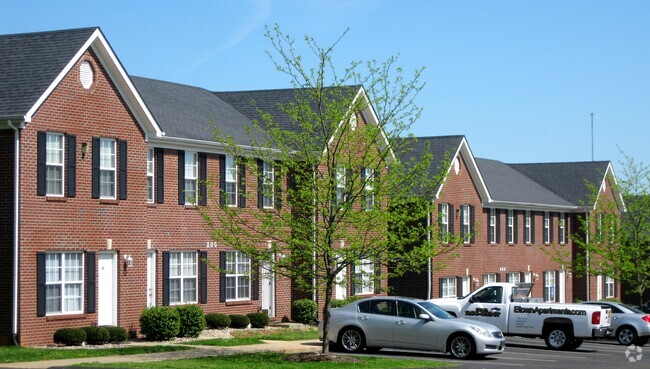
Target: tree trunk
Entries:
(326, 315)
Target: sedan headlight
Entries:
(481, 331)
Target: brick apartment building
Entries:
(510, 218)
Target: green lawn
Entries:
(14, 354)
(273, 361)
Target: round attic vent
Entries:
(86, 74)
(456, 166)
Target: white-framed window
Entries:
(489, 278)
(549, 286)
(561, 229)
(150, 177)
(492, 232)
(444, 222)
(268, 180)
(513, 277)
(238, 279)
(182, 277)
(464, 210)
(191, 176)
(64, 273)
(365, 277)
(465, 285)
(341, 283)
(612, 229)
(547, 227)
(107, 168)
(528, 277)
(340, 185)
(231, 181)
(369, 187)
(55, 172)
(448, 287)
(527, 227)
(609, 287)
(510, 230)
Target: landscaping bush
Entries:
(70, 336)
(239, 321)
(116, 334)
(217, 321)
(192, 320)
(345, 301)
(96, 335)
(304, 311)
(258, 320)
(160, 323)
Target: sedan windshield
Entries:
(435, 310)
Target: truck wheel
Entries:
(461, 346)
(626, 335)
(575, 343)
(558, 338)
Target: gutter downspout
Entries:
(14, 326)
(313, 266)
(587, 236)
(430, 261)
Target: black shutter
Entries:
(260, 183)
(440, 287)
(450, 219)
(497, 214)
(556, 288)
(91, 283)
(203, 269)
(95, 164)
(551, 220)
(489, 212)
(123, 160)
(515, 223)
(72, 166)
(459, 286)
(255, 280)
(376, 186)
(462, 225)
(377, 276)
(160, 175)
(472, 224)
(181, 177)
(498, 277)
(203, 177)
(363, 186)
(165, 281)
(532, 227)
(277, 188)
(353, 279)
(41, 160)
(241, 173)
(222, 180)
(222, 276)
(40, 284)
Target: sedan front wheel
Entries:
(352, 340)
(462, 347)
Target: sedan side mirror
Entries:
(424, 316)
(472, 299)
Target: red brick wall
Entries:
(6, 233)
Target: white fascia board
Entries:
(603, 183)
(210, 147)
(473, 169)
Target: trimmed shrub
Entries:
(217, 321)
(304, 311)
(345, 301)
(192, 320)
(239, 321)
(96, 335)
(116, 334)
(160, 323)
(70, 336)
(258, 320)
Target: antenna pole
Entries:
(592, 136)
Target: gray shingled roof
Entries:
(185, 111)
(506, 184)
(30, 62)
(567, 180)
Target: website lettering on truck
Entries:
(507, 305)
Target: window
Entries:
(612, 229)
(510, 230)
(365, 272)
(150, 180)
(561, 229)
(527, 226)
(528, 277)
(340, 185)
(609, 287)
(268, 179)
(549, 286)
(64, 274)
(444, 222)
(599, 227)
(238, 281)
(231, 181)
(381, 307)
(490, 295)
(369, 186)
(489, 278)
(54, 163)
(191, 175)
(464, 212)
(182, 277)
(513, 277)
(492, 232)
(547, 227)
(465, 285)
(107, 172)
(408, 310)
(448, 287)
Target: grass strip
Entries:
(237, 341)
(15, 354)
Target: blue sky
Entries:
(518, 78)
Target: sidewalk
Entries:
(199, 351)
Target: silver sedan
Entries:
(397, 322)
(629, 324)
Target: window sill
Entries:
(188, 206)
(54, 318)
(151, 204)
(109, 201)
(239, 303)
(56, 199)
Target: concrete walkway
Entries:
(199, 351)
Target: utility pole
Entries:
(592, 136)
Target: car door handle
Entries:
(399, 322)
(364, 318)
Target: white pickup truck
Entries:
(507, 306)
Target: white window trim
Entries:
(444, 222)
(528, 228)
(489, 278)
(609, 287)
(268, 181)
(513, 277)
(106, 169)
(191, 166)
(466, 223)
(492, 231)
(369, 186)
(340, 185)
(547, 227)
(237, 255)
(366, 269)
(62, 282)
(549, 276)
(150, 175)
(510, 232)
(562, 229)
(232, 169)
(449, 288)
(182, 277)
(50, 164)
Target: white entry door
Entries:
(151, 278)
(107, 290)
(268, 290)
